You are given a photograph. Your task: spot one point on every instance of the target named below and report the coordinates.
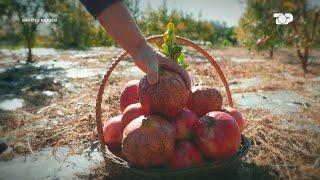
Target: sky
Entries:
(228, 11)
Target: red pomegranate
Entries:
(148, 141)
(112, 133)
(236, 115)
(218, 135)
(184, 123)
(204, 99)
(167, 97)
(129, 95)
(261, 41)
(130, 113)
(185, 155)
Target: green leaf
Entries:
(170, 26)
(171, 49)
(165, 37)
(181, 57)
(165, 49)
(185, 66)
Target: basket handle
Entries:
(152, 39)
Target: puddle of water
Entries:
(43, 165)
(2, 70)
(289, 76)
(279, 102)
(71, 70)
(316, 78)
(6, 61)
(35, 51)
(44, 51)
(240, 60)
(83, 55)
(83, 73)
(314, 89)
(70, 87)
(245, 60)
(132, 71)
(11, 104)
(93, 52)
(245, 83)
(49, 93)
(218, 58)
(56, 64)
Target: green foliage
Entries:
(9, 31)
(133, 7)
(304, 29)
(223, 35)
(153, 22)
(171, 49)
(76, 28)
(258, 23)
(13, 12)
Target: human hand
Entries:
(149, 61)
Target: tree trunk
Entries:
(304, 58)
(29, 60)
(271, 52)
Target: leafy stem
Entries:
(171, 49)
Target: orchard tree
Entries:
(304, 29)
(33, 9)
(266, 27)
(75, 28)
(223, 35)
(257, 28)
(244, 32)
(258, 23)
(133, 7)
(9, 30)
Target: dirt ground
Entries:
(59, 108)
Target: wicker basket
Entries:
(116, 166)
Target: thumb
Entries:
(153, 73)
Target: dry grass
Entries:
(293, 153)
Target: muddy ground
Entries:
(47, 110)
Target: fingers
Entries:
(149, 61)
(170, 65)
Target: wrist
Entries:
(142, 51)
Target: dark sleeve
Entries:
(95, 7)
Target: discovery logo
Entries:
(283, 18)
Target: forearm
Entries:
(120, 25)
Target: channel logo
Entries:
(283, 18)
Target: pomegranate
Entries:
(204, 99)
(236, 115)
(130, 113)
(261, 41)
(148, 141)
(184, 123)
(129, 95)
(167, 97)
(112, 133)
(185, 155)
(218, 135)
